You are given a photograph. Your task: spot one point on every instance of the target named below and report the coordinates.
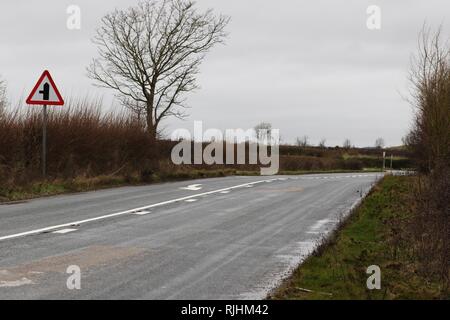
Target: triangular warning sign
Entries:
(45, 92)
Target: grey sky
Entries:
(308, 67)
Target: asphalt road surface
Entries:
(221, 238)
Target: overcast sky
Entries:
(308, 67)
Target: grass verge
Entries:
(83, 184)
(377, 233)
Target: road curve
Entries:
(221, 238)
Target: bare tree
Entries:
(347, 144)
(151, 53)
(430, 79)
(263, 130)
(322, 143)
(379, 143)
(302, 141)
(429, 139)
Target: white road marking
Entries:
(225, 191)
(193, 187)
(159, 204)
(141, 213)
(63, 231)
(191, 200)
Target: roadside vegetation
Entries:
(379, 232)
(429, 141)
(403, 226)
(89, 149)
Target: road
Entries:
(220, 238)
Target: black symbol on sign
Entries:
(46, 91)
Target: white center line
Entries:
(63, 231)
(131, 211)
(141, 213)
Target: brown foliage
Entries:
(81, 141)
(430, 141)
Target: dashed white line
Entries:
(131, 211)
(141, 213)
(63, 231)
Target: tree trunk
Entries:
(151, 123)
(151, 127)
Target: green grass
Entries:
(375, 234)
(54, 187)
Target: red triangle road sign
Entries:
(45, 92)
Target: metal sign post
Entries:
(44, 141)
(45, 93)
